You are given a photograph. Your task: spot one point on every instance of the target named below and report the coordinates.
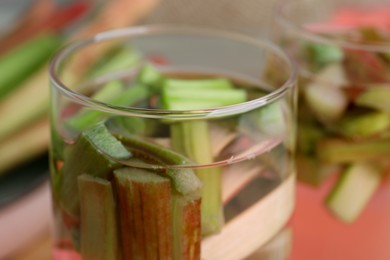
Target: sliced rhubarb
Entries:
(202, 98)
(89, 155)
(327, 102)
(184, 180)
(151, 77)
(115, 60)
(186, 226)
(128, 124)
(145, 214)
(192, 138)
(341, 151)
(99, 235)
(323, 54)
(365, 125)
(198, 84)
(186, 138)
(333, 75)
(376, 97)
(112, 93)
(353, 191)
(269, 120)
(87, 117)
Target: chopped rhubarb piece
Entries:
(376, 97)
(353, 191)
(184, 180)
(99, 235)
(342, 151)
(89, 155)
(145, 214)
(185, 138)
(186, 226)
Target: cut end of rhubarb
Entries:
(106, 143)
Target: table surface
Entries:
(38, 249)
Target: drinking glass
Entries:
(171, 143)
(343, 154)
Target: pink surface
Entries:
(63, 254)
(24, 220)
(352, 18)
(317, 235)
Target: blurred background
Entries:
(30, 32)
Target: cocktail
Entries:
(170, 143)
(342, 51)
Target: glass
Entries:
(131, 177)
(342, 51)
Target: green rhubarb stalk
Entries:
(87, 117)
(19, 109)
(18, 64)
(192, 138)
(128, 124)
(144, 214)
(99, 234)
(187, 98)
(323, 54)
(151, 77)
(376, 97)
(342, 151)
(184, 180)
(116, 59)
(353, 191)
(91, 154)
(197, 84)
(269, 120)
(365, 125)
(112, 93)
(329, 103)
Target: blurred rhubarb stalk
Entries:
(26, 134)
(24, 145)
(116, 14)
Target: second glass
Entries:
(342, 49)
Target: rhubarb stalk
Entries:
(99, 239)
(144, 215)
(193, 139)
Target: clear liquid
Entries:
(257, 191)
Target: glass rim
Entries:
(136, 31)
(282, 17)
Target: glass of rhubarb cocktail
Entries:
(342, 49)
(170, 143)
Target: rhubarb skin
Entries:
(99, 238)
(187, 232)
(144, 214)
